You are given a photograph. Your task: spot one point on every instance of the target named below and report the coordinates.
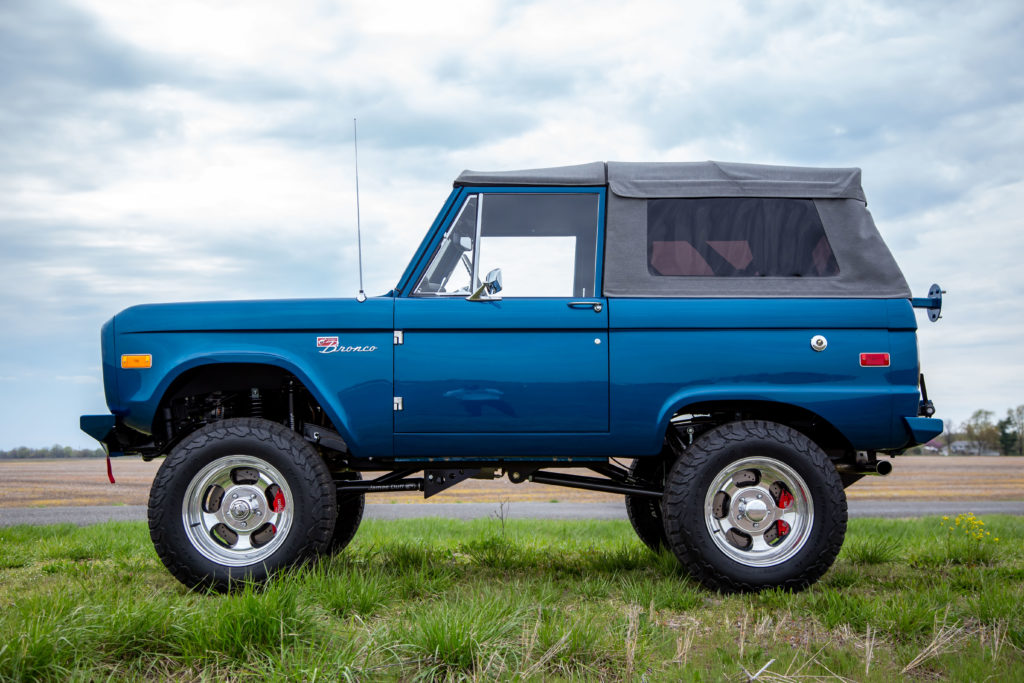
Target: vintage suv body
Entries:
(740, 333)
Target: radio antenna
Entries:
(359, 233)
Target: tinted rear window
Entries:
(737, 237)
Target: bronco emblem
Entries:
(333, 345)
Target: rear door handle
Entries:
(596, 305)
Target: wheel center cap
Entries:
(239, 509)
(755, 510)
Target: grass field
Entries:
(436, 599)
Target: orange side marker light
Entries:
(137, 361)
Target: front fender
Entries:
(354, 389)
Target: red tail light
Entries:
(874, 360)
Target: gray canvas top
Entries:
(690, 179)
(867, 268)
(563, 176)
(722, 179)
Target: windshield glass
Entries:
(451, 270)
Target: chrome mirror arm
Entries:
(489, 290)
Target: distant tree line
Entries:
(983, 434)
(55, 451)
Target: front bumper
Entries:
(115, 438)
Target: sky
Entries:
(193, 150)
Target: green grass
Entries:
(531, 600)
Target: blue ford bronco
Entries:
(727, 345)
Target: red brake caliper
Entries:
(279, 501)
(785, 500)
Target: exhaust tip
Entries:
(883, 467)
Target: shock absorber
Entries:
(255, 402)
(291, 404)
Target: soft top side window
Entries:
(737, 237)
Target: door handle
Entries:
(596, 305)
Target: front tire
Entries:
(644, 512)
(238, 500)
(753, 505)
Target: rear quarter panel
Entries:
(670, 353)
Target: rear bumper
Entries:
(922, 429)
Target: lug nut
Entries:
(243, 524)
(755, 525)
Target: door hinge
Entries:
(399, 337)
(398, 403)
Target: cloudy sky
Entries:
(202, 150)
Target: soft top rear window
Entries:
(737, 237)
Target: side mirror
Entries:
(488, 291)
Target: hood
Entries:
(270, 315)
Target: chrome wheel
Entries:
(759, 511)
(237, 510)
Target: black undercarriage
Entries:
(615, 479)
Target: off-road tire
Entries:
(686, 489)
(312, 490)
(350, 514)
(644, 512)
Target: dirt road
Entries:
(77, 482)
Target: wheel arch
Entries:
(806, 421)
(237, 373)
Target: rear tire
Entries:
(753, 505)
(238, 500)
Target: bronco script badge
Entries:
(333, 345)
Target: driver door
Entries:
(530, 359)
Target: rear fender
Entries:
(822, 405)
